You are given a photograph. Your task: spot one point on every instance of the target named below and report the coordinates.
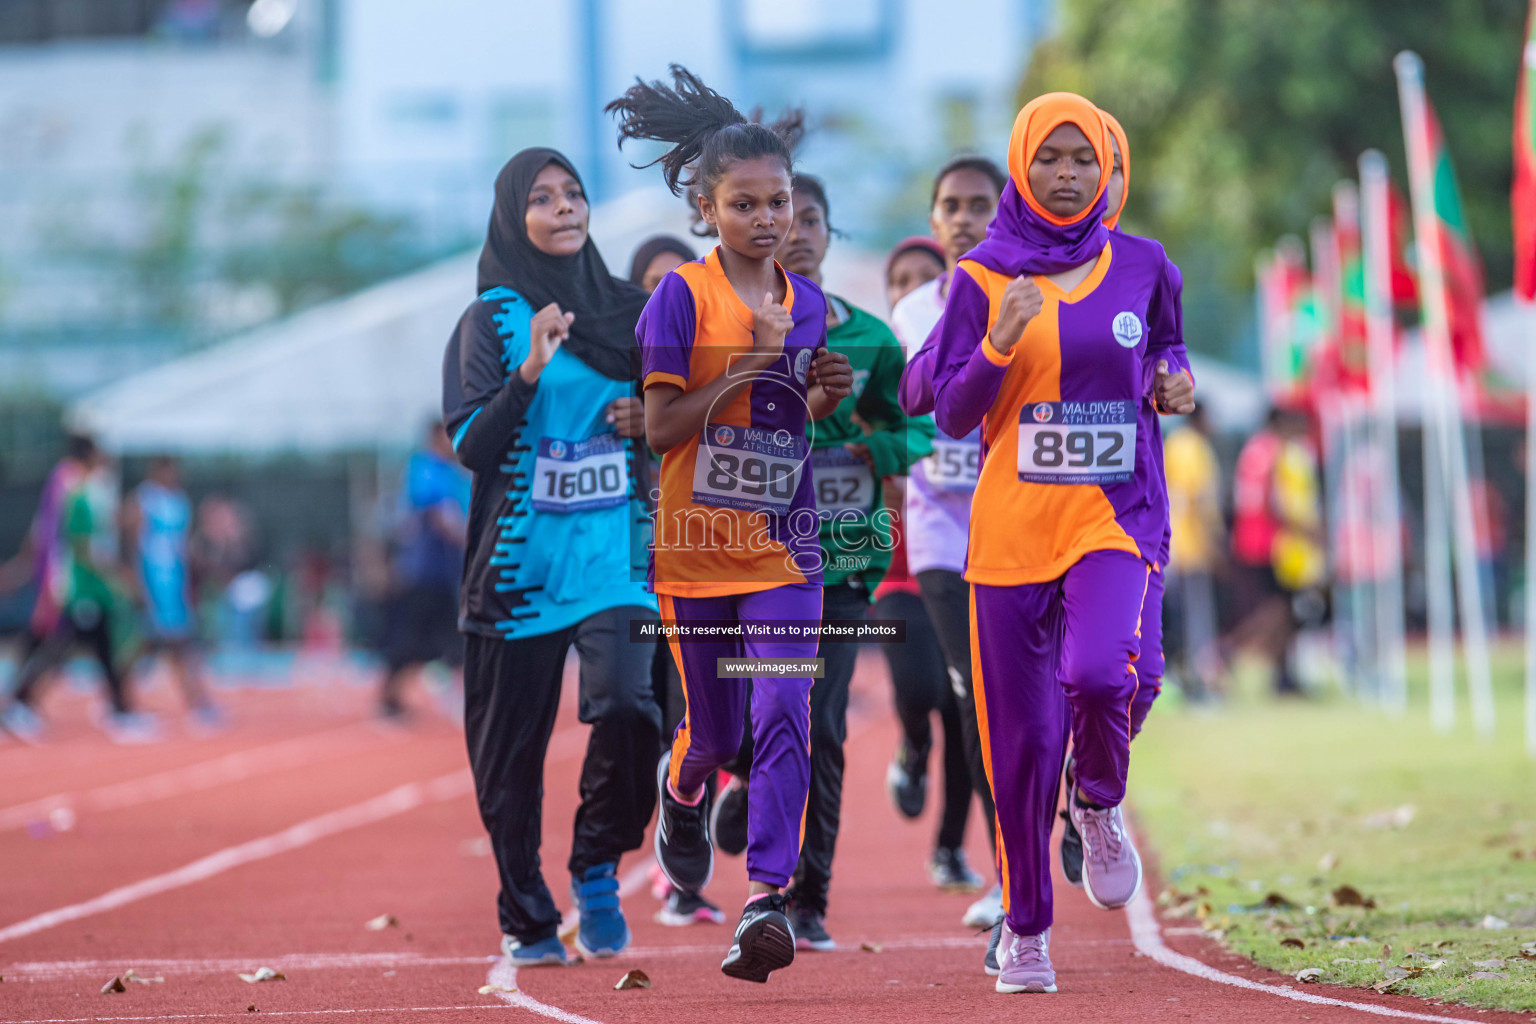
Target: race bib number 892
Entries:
(1077, 442)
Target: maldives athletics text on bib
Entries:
(1077, 442)
(748, 468)
(574, 476)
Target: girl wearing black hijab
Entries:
(539, 400)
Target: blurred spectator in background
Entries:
(1194, 502)
(1277, 541)
(657, 257)
(422, 609)
(1490, 531)
(157, 526)
(91, 590)
(231, 592)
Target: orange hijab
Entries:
(1113, 220)
(1025, 237)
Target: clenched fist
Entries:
(549, 328)
(1021, 304)
(771, 324)
(1173, 392)
(831, 371)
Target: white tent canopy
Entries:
(363, 372)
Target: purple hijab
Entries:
(1019, 241)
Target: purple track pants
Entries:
(1051, 660)
(710, 732)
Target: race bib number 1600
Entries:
(1077, 442)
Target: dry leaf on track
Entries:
(633, 979)
(252, 1009)
(115, 985)
(130, 975)
(1349, 896)
(871, 947)
(264, 974)
(381, 922)
(486, 990)
(1309, 975)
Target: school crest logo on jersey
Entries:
(1044, 413)
(724, 436)
(1127, 329)
(802, 364)
(557, 449)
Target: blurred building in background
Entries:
(176, 170)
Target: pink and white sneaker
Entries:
(1111, 865)
(1024, 963)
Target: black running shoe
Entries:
(906, 780)
(990, 961)
(1071, 841)
(728, 820)
(682, 836)
(764, 942)
(810, 929)
(948, 870)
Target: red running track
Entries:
(271, 845)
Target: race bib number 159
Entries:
(1077, 442)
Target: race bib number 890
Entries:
(747, 468)
(1077, 442)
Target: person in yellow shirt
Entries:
(1194, 505)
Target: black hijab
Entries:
(606, 308)
(653, 247)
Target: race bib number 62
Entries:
(1077, 442)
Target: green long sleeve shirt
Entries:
(855, 527)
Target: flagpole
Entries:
(1519, 207)
(1530, 539)
(1334, 451)
(1444, 390)
(1376, 246)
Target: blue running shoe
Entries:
(550, 951)
(603, 931)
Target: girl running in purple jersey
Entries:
(1062, 344)
(734, 362)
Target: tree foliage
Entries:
(1242, 114)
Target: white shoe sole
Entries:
(1034, 988)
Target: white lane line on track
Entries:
(264, 1013)
(63, 970)
(234, 767)
(387, 805)
(504, 976)
(396, 801)
(1148, 937)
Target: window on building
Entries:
(45, 21)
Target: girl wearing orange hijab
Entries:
(1061, 341)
